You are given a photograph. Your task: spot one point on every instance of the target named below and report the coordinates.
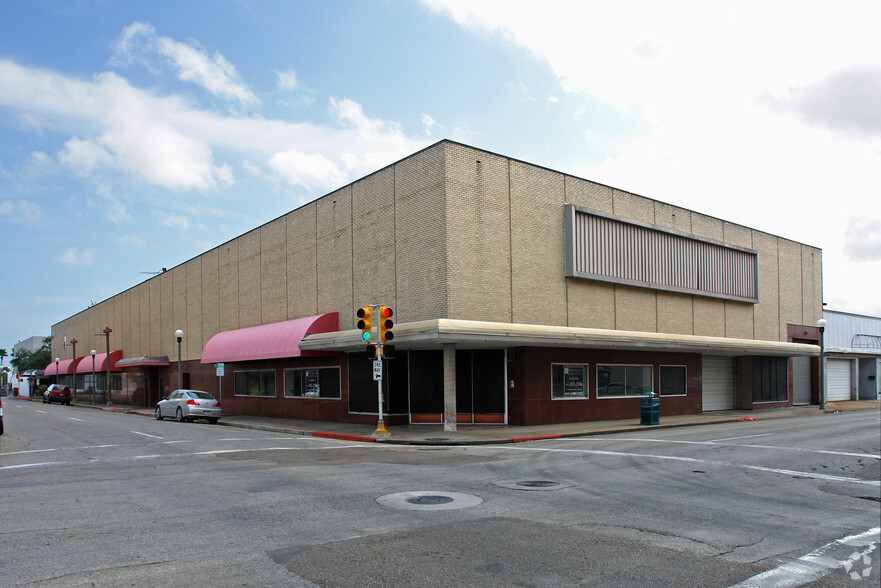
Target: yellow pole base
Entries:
(380, 429)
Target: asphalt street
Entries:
(95, 498)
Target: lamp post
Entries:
(180, 378)
(93, 377)
(821, 324)
(73, 343)
(57, 375)
(107, 331)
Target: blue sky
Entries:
(137, 135)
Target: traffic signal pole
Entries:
(365, 323)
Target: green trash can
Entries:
(650, 409)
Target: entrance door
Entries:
(718, 383)
(838, 380)
(801, 380)
(480, 386)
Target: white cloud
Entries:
(706, 93)
(286, 80)
(166, 142)
(77, 257)
(428, 124)
(862, 241)
(133, 240)
(21, 211)
(306, 169)
(847, 100)
(139, 41)
(181, 223)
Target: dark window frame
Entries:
(289, 373)
(262, 383)
(624, 385)
(661, 385)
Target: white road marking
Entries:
(172, 442)
(41, 411)
(815, 565)
(32, 465)
(28, 451)
(716, 442)
(741, 437)
(706, 461)
(146, 456)
(220, 451)
(76, 419)
(147, 435)
(814, 475)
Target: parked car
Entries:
(56, 393)
(186, 405)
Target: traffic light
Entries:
(388, 351)
(371, 352)
(385, 324)
(364, 323)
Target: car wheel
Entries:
(158, 414)
(213, 421)
(179, 416)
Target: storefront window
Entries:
(312, 383)
(255, 383)
(623, 380)
(673, 380)
(569, 381)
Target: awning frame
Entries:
(270, 341)
(438, 332)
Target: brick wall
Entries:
(450, 231)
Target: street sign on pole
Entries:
(377, 369)
(219, 368)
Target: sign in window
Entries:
(569, 381)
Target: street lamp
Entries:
(180, 378)
(73, 343)
(107, 331)
(57, 375)
(821, 324)
(93, 377)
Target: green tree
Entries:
(25, 360)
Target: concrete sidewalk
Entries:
(494, 434)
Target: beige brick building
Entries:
(521, 295)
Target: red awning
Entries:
(270, 341)
(65, 367)
(142, 361)
(85, 364)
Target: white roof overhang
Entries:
(433, 334)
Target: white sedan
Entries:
(186, 405)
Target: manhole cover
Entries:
(534, 485)
(430, 499)
(538, 484)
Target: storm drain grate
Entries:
(430, 500)
(534, 485)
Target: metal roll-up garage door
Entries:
(838, 382)
(718, 383)
(801, 380)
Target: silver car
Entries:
(186, 405)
